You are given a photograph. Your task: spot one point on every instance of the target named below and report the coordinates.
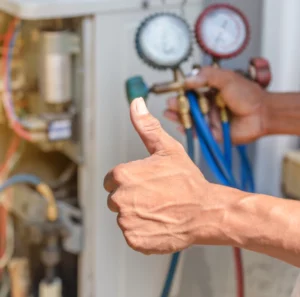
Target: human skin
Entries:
(165, 204)
(255, 112)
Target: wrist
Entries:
(266, 114)
(215, 222)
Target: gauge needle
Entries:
(221, 33)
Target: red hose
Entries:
(239, 271)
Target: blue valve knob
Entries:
(136, 87)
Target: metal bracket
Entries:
(71, 218)
(31, 208)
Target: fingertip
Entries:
(139, 106)
(195, 82)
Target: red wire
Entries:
(3, 212)
(16, 126)
(240, 286)
(10, 152)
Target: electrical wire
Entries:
(9, 246)
(43, 189)
(11, 159)
(9, 44)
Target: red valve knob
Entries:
(260, 71)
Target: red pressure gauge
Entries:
(222, 31)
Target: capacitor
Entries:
(55, 73)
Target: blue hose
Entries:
(220, 165)
(227, 144)
(175, 258)
(203, 129)
(170, 277)
(247, 172)
(190, 143)
(20, 179)
(210, 162)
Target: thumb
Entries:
(149, 129)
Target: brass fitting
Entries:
(220, 102)
(224, 115)
(184, 110)
(167, 87)
(203, 103)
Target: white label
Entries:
(60, 130)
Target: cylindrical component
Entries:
(56, 67)
(53, 289)
(19, 277)
(260, 71)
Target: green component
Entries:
(135, 88)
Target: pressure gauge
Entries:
(222, 31)
(164, 41)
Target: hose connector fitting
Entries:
(184, 110)
(204, 104)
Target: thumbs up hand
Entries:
(159, 200)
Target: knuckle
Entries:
(123, 223)
(119, 173)
(132, 240)
(179, 147)
(114, 200)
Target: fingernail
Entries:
(193, 73)
(199, 79)
(140, 106)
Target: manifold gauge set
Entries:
(165, 40)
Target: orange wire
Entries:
(16, 126)
(13, 147)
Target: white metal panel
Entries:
(113, 269)
(41, 9)
(280, 44)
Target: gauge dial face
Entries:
(222, 31)
(164, 41)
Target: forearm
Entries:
(266, 225)
(282, 113)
